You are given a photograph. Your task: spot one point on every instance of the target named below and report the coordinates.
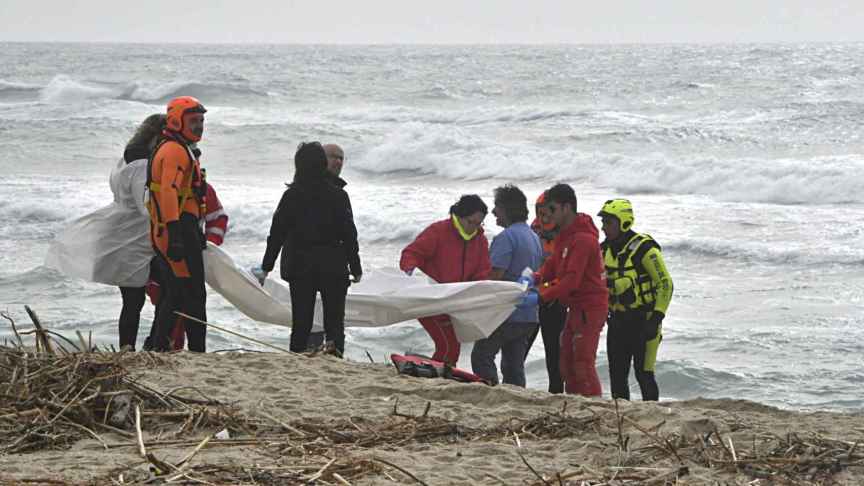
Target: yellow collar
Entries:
(465, 236)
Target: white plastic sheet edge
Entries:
(382, 298)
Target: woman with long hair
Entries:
(112, 245)
(313, 228)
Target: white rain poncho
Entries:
(110, 245)
(382, 298)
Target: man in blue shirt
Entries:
(512, 251)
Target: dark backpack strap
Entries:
(640, 252)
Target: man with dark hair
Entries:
(513, 251)
(574, 275)
(450, 250)
(553, 315)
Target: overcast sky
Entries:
(433, 21)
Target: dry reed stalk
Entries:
(237, 334)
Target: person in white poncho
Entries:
(112, 245)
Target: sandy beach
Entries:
(295, 419)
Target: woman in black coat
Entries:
(314, 228)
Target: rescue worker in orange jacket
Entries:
(177, 193)
(215, 228)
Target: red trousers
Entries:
(579, 351)
(441, 331)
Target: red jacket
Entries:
(216, 220)
(577, 265)
(445, 256)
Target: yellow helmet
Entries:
(620, 209)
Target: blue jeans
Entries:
(511, 338)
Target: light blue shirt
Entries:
(514, 249)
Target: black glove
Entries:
(175, 251)
(652, 325)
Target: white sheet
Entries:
(110, 245)
(382, 298)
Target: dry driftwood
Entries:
(55, 394)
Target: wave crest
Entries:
(11, 91)
(64, 89)
(463, 153)
(203, 91)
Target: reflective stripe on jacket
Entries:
(174, 173)
(215, 219)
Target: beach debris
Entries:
(58, 392)
(690, 429)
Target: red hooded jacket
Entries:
(445, 256)
(216, 220)
(577, 265)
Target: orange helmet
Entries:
(539, 206)
(177, 109)
(541, 199)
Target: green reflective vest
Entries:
(630, 285)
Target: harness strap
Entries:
(633, 251)
(154, 187)
(186, 191)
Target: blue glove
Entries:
(529, 299)
(259, 274)
(525, 280)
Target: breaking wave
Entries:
(461, 153)
(64, 89)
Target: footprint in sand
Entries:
(258, 364)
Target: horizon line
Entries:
(434, 44)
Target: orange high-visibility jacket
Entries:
(173, 173)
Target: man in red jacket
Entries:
(574, 275)
(450, 250)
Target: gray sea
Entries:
(743, 161)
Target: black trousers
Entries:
(553, 317)
(130, 315)
(304, 289)
(625, 343)
(316, 339)
(184, 294)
